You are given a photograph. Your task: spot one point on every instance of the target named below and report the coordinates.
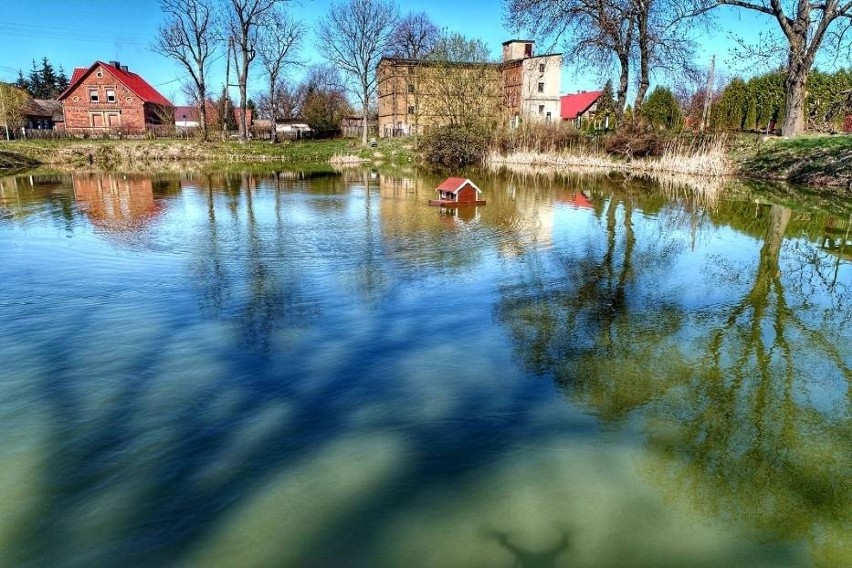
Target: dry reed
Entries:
(703, 159)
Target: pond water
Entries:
(322, 370)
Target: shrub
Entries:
(662, 110)
(635, 141)
(455, 146)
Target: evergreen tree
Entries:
(225, 114)
(48, 80)
(43, 82)
(662, 110)
(62, 82)
(22, 82)
(606, 107)
(36, 86)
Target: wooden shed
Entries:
(458, 191)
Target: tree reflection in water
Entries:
(155, 445)
(744, 400)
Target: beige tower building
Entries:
(415, 95)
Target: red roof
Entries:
(132, 81)
(577, 104)
(454, 184)
(78, 74)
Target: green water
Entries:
(322, 370)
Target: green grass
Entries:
(15, 161)
(78, 153)
(811, 160)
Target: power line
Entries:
(34, 30)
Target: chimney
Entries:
(115, 64)
(125, 69)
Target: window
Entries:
(541, 87)
(540, 109)
(527, 50)
(411, 87)
(411, 109)
(548, 117)
(110, 94)
(93, 96)
(541, 67)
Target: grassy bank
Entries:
(822, 161)
(15, 161)
(109, 154)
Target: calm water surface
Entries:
(323, 371)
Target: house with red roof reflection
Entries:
(579, 107)
(109, 98)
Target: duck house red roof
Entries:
(457, 191)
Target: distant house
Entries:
(43, 114)
(108, 97)
(190, 116)
(579, 107)
(458, 191)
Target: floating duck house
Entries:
(458, 191)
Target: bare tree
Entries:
(188, 37)
(243, 20)
(414, 37)
(806, 25)
(323, 99)
(596, 33)
(663, 41)
(353, 36)
(277, 42)
(288, 102)
(463, 82)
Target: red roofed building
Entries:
(580, 106)
(458, 191)
(108, 97)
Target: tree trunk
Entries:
(623, 84)
(202, 97)
(273, 128)
(644, 56)
(795, 91)
(366, 105)
(244, 97)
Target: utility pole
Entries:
(225, 93)
(5, 116)
(708, 95)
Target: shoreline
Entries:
(822, 163)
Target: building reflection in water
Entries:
(117, 204)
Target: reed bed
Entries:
(705, 159)
(347, 160)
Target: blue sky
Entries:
(78, 32)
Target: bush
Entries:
(635, 141)
(455, 146)
(662, 110)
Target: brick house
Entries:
(108, 97)
(522, 86)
